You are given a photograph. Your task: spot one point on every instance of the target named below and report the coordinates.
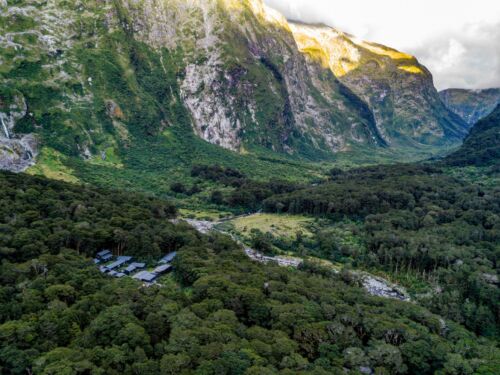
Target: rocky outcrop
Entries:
(471, 105)
(380, 287)
(17, 151)
(16, 155)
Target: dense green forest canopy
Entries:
(411, 220)
(41, 216)
(415, 219)
(220, 313)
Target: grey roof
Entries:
(112, 273)
(120, 261)
(120, 275)
(103, 269)
(134, 266)
(96, 261)
(162, 269)
(145, 276)
(168, 258)
(102, 253)
(107, 257)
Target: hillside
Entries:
(96, 77)
(482, 145)
(134, 89)
(471, 105)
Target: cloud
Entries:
(469, 59)
(458, 40)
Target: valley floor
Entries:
(288, 225)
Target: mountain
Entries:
(96, 75)
(471, 105)
(126, 84)
(482, 145)
(398, 89)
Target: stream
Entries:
(374, 285)
(5, 129)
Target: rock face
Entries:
(471, 105)
(380, 287)
(245, 82)
(99, 74)
(17, 151)
(397, 88)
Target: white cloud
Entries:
(458, 40)
(455, 52)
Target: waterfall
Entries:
(5, 129)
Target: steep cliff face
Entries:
(228, 69)
(93, 79)
(244, 80)
(398, 90)
(45, 95)
(471, 105)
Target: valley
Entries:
(375, 286)
(323, 207)
(112, 91)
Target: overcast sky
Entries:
(458, 40)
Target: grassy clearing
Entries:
(51, 165)
(111, 159)
(208, 214)
(285, 226)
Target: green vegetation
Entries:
(416, 221)
(277, 225)
(42, 216)
(109, 112)
(106, 91)
(51, 165)
(220, 313)
(483, 176)
(482, 146)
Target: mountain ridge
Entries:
(471, 105)
(382, 77)
(97, 78)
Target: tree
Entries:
(217, 197)
(178, 188)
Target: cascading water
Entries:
(5, 129)
(17, 151)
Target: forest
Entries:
(416, 220)
(220, 313)
(411, 221)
